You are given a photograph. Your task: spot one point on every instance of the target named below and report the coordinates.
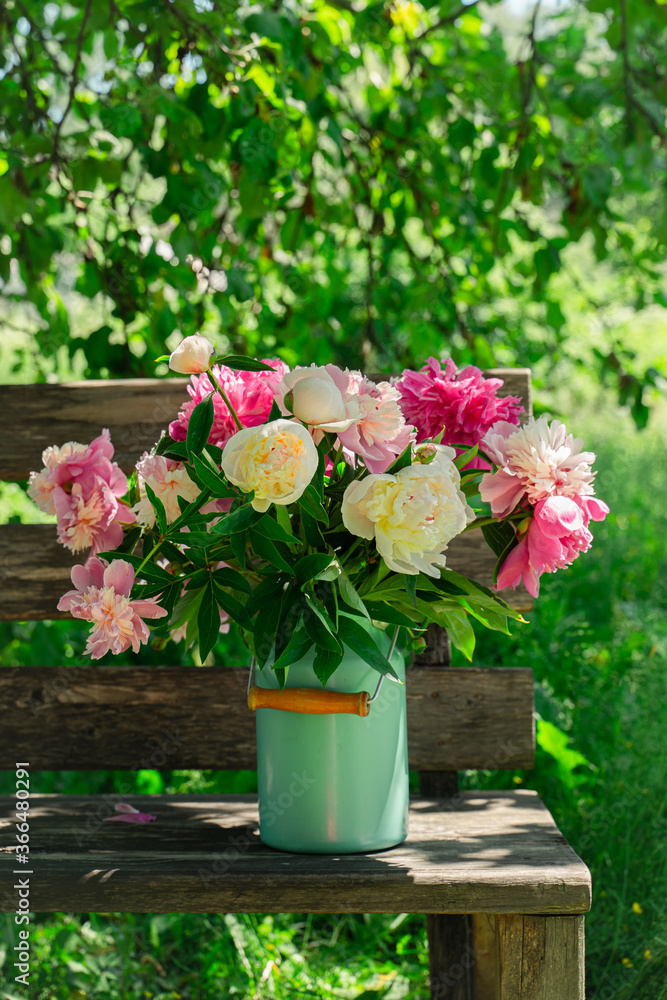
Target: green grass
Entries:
(597, 641)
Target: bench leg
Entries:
(450, 956)
(522, 957)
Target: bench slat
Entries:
(494, 852)
(134, 410)
(35, 570)
(187, 717)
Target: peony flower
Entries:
(250, 393)
(276, 460)
(317, 400)
(536, 461)
(379, 434)
(192, 355)
(102, 596)
(81, 485)
(556, 535)
(91, 519)
(412, 515)
(169, 481)
(462, 403)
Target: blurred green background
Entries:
(367, 183)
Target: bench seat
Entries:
(484, 852)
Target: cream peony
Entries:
(412, 515)
(277, 460)
(192, 356)
(316, 400)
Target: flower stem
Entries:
(151, 553)
(225, 398)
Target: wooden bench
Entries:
(503, 892)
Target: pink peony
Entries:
(169, 481)
(536, 461)
(379, 434)
(82, 487)
(463, 403)
(102, 596)
(556, 535)
(250, 393)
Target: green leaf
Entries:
(158, 507)
(319, 626)
(264, 630)
(354, 635)
(199, 426)
(381, 612)
(241, 363)
(208, 622)
(275, 531)
(311, 530)
(350, 595)
(240, 519)
(410, 583)
(233, 607)
(311, 565)
(299, 644)
(324, 664)
(227, 577)
(310, 502)
(239, 543)
(460, 630)
(211, 478)
(264, 547)
(186, 608)
(403, 460)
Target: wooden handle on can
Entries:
(309, 700)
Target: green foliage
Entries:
(359, 186)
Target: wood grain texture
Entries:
(495, 852)
(35, 570)
(539, 957)
(188, 717)
(450, 957)
(483, 937)
(135, 411)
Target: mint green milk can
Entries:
(333, 782)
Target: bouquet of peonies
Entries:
(279, 498)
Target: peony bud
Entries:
(192, 356)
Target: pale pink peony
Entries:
(92, 519)
(102, 596)
(82, 486)
(319, 401)
(536, 461)
(169, 481)
(250, 393)
(463, 403)
(556, 535)
(192, 355)
(379, 434)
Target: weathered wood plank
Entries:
(483, 935)
(495, 852)
(450, 956)
(135, 411)
(35, 568)
(539, 957)
(189, 717)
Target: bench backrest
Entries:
(188, 717)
